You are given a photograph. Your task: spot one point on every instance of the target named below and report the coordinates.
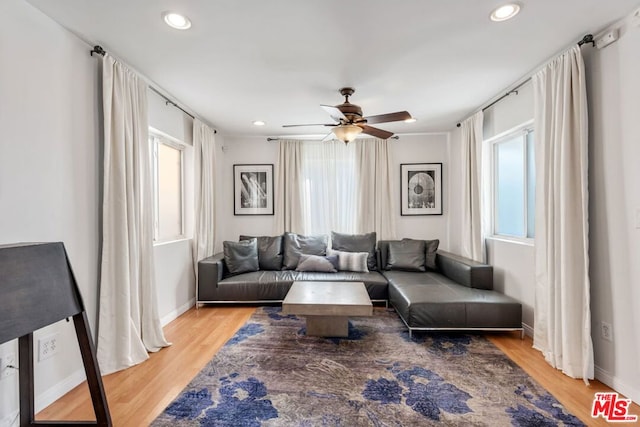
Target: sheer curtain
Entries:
(288, 214)
(472, 228)
(129, 324)
(204, 236)
(562, 315)
(376, 208)
(329, 185)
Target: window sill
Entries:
(171, 241)
(515, 240)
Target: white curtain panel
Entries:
(328, 186)
(374, 190)
(562, 315)
(205, 233)
(288, 191)
(472, 222)
(129, 324)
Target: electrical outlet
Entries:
(7, 365)
(606, 331)
(47, 346)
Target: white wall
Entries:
(49, 169)
(614, 188)
(427, 148)
(430, 148)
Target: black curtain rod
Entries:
(270, 139)
(588, 38)
(100, 51)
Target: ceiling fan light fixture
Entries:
(505, 12)
(176, 20)
(347, 133)
(259, 123)
(411, 120)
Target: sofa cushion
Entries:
(407, 255)
(431, 300)
(319, 263)
(297, 244)
(269, 251)
(431, 247)
(351, 261)
(241, 257)
(357, 243)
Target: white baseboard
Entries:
(528, 330)
(10, 420)
(171, 316)
(617, 384)
(54, 393)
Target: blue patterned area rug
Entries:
(271, 374)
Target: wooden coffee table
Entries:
(328, 305)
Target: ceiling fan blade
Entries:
(378, 133)
(389, 117)
(313, 124)
(335, 113)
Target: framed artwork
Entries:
(421, 189)
(253, 189)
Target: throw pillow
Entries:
(430, 254)
(351, 261)
(317, 263)
(269, 251)
(241, 257)
(357, 243)
(297, 244)
(407, 255)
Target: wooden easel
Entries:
(37, 288)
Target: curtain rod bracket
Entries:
(98, 49)
(588, 38)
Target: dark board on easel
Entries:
(37, 288)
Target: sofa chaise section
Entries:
(458, 295)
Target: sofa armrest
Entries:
(465, 271)
(210, 272)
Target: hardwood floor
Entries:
(139, 394)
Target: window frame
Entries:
(491, 144)
(157, 137)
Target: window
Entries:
(329, 183)
(513, 162)
(167, 188)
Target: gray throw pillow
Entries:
(297, 244)
(317, 263)
(430, 253)
(241, 257)
(357, 243)
(269, 251)
(407, 255)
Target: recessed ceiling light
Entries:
(505, 12)
(177, 21)
(259, 123)
(411, 120)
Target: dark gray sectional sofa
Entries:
(452, 293)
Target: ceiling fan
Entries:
(349, 121)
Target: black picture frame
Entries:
(253, 189)
(420, 189)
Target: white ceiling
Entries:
(277, 60)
